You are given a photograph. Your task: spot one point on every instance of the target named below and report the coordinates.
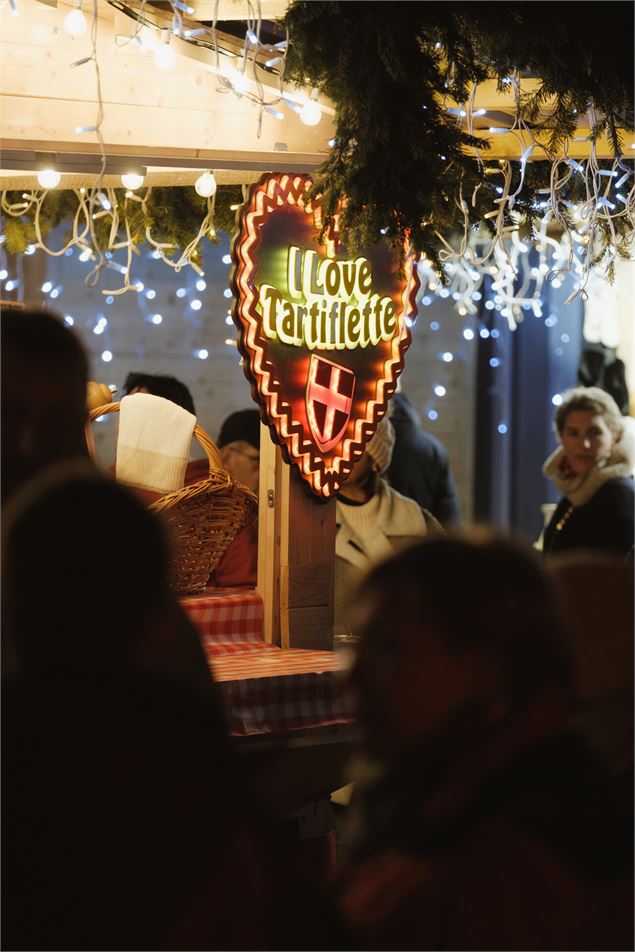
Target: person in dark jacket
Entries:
(420, 468)
(481, 818)
(593, 469)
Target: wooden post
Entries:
(296, 556)
(269, 534)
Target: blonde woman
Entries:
(593, 470)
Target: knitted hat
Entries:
(381, 445)
(242, 425)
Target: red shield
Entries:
(329, 398)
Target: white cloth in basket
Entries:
(153, 445)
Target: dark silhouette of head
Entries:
(98, 561)
(454, 626)
(44, 377)
(242, 425)
(160, 385)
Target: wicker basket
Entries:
(203, 518)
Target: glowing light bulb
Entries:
(48, 178)
(205, 185)
(227, 259)
(240, 83)
(75, 22)
(164, 56)
(310, 114)
(106, 356)
(132, 180)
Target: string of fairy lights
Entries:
(492, 273)
(492, 296)
(480, 300)
(610, 196)
(236, 73)
(610, 193)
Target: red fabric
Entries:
(265, 689)
(239, 563)
(196, 469)
(273, 690)
(226, 619)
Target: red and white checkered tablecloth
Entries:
(275, 690)
(265, 689)
(229, 620)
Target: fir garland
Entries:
(399, 160)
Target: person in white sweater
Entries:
(373, 520)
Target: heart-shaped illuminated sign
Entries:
(322, 336)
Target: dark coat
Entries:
(420, 468)
(604, 523)
(520, 843)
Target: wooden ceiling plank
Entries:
(512, 146)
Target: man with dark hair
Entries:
(160, 385)
(44, 377)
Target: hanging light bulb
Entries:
(310, 114)
(164, 56)
(75, 22)
(240, 82)
(132, 180)
(205, 185)
(48, 178)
